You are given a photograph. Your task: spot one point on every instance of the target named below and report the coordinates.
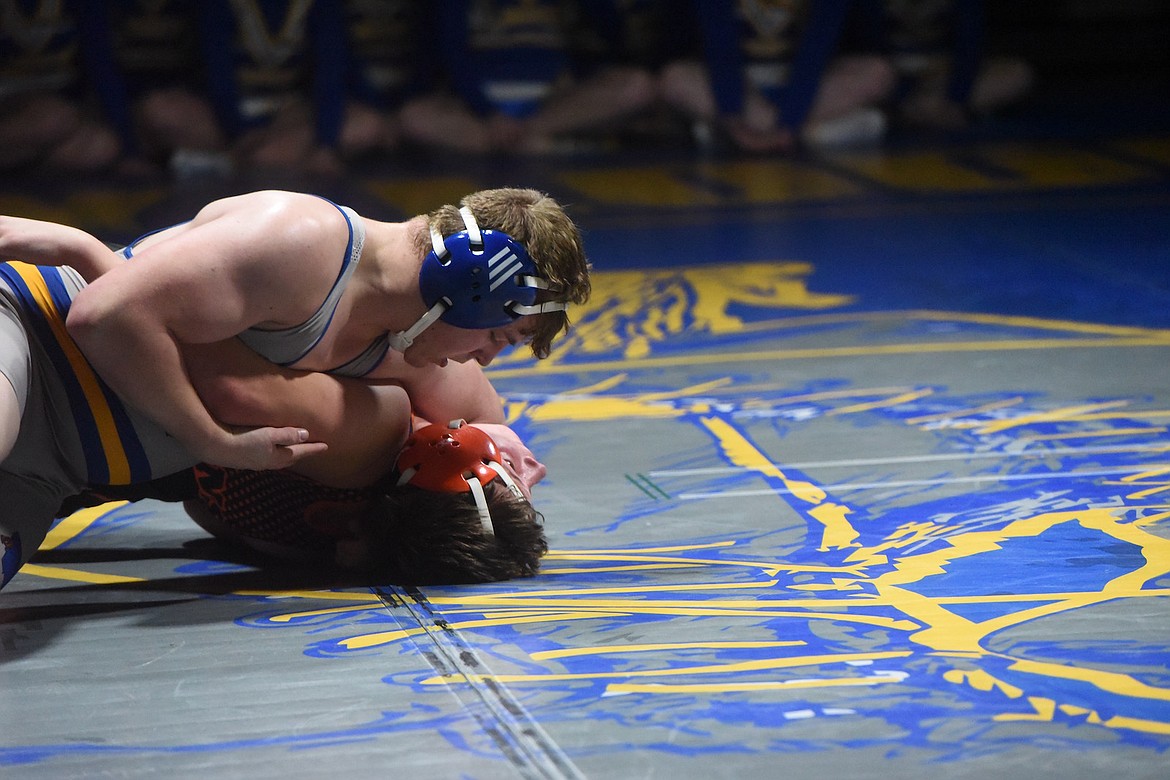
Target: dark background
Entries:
(1095, 59)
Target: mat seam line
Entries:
(532, 752)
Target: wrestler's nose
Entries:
(485, 355)
(532, 470)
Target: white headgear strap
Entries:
(485, 516)
(402, 340)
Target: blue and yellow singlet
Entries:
(114, 453)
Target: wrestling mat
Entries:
(858, 467)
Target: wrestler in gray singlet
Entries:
(286, 346)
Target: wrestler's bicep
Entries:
(264, 259)
(211, 282)
(162, 295)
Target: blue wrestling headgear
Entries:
(454, 458)
(476, 279)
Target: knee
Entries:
(49, 118)
(364, 129)
(10, 414)
(1002, 82)
(91, 148)
(684, 85)
(875, 78)
(635, 88)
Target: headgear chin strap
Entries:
(454, 458)
(476, 279)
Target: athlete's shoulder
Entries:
(274, 205)
(285, 221)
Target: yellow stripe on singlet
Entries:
(111, 442)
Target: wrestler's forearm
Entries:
(365, 437)
(48, 243)
(119, 353)
(364, 424)
(456, 391)
(240, 388)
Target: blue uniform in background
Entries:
(263, 55)
(504, 56)
(781, 47)
(925, 36)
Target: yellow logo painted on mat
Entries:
(632, 311)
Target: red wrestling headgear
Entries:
(453, 458)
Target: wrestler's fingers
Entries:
(268, 448)
(298, 451)
(289, 445)
(286, 437)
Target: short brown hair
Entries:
(421, 537)
(541, 225)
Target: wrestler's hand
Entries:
(262, 449)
